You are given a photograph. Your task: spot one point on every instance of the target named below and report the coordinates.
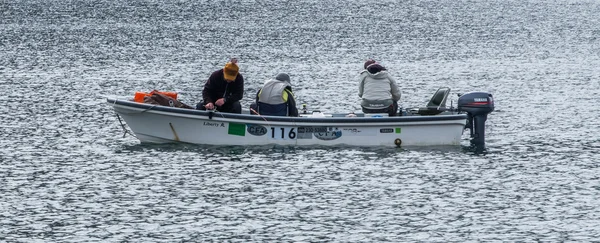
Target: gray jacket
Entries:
(377, 90)
(273, 92)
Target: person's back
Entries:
(378, 90)
(275, 98)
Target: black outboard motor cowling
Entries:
(477, 105)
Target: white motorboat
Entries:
(432, 125)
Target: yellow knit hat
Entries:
(230, 71)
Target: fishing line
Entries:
(256, 112)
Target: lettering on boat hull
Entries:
(386, 130)
(312, 129)
(256, 130)
(391, 130)
(307, 132)
(214, 124)
(330, 135)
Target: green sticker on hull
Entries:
(398, 130)
(237, 129)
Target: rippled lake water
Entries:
(69, 175)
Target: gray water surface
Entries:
(69, 175)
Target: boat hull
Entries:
(161, 124)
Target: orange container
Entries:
(139, 96)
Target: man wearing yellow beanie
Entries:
(223, 90)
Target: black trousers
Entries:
(230, 107)
(392, 110)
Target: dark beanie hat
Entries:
(375, 68)
(369, 62)
(283, 77)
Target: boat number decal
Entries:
(386, 130)
(391, 130)
(307, 132)
(311, 129)
(214, 124)
(257, 130)
(283, 132)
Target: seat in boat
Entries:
(437, 103)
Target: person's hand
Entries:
(220, 102)
(209, 106)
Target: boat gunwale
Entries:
(260, 119)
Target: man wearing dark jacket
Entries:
(223, 90)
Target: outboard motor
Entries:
(477, 105)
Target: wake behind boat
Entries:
(432, 125)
